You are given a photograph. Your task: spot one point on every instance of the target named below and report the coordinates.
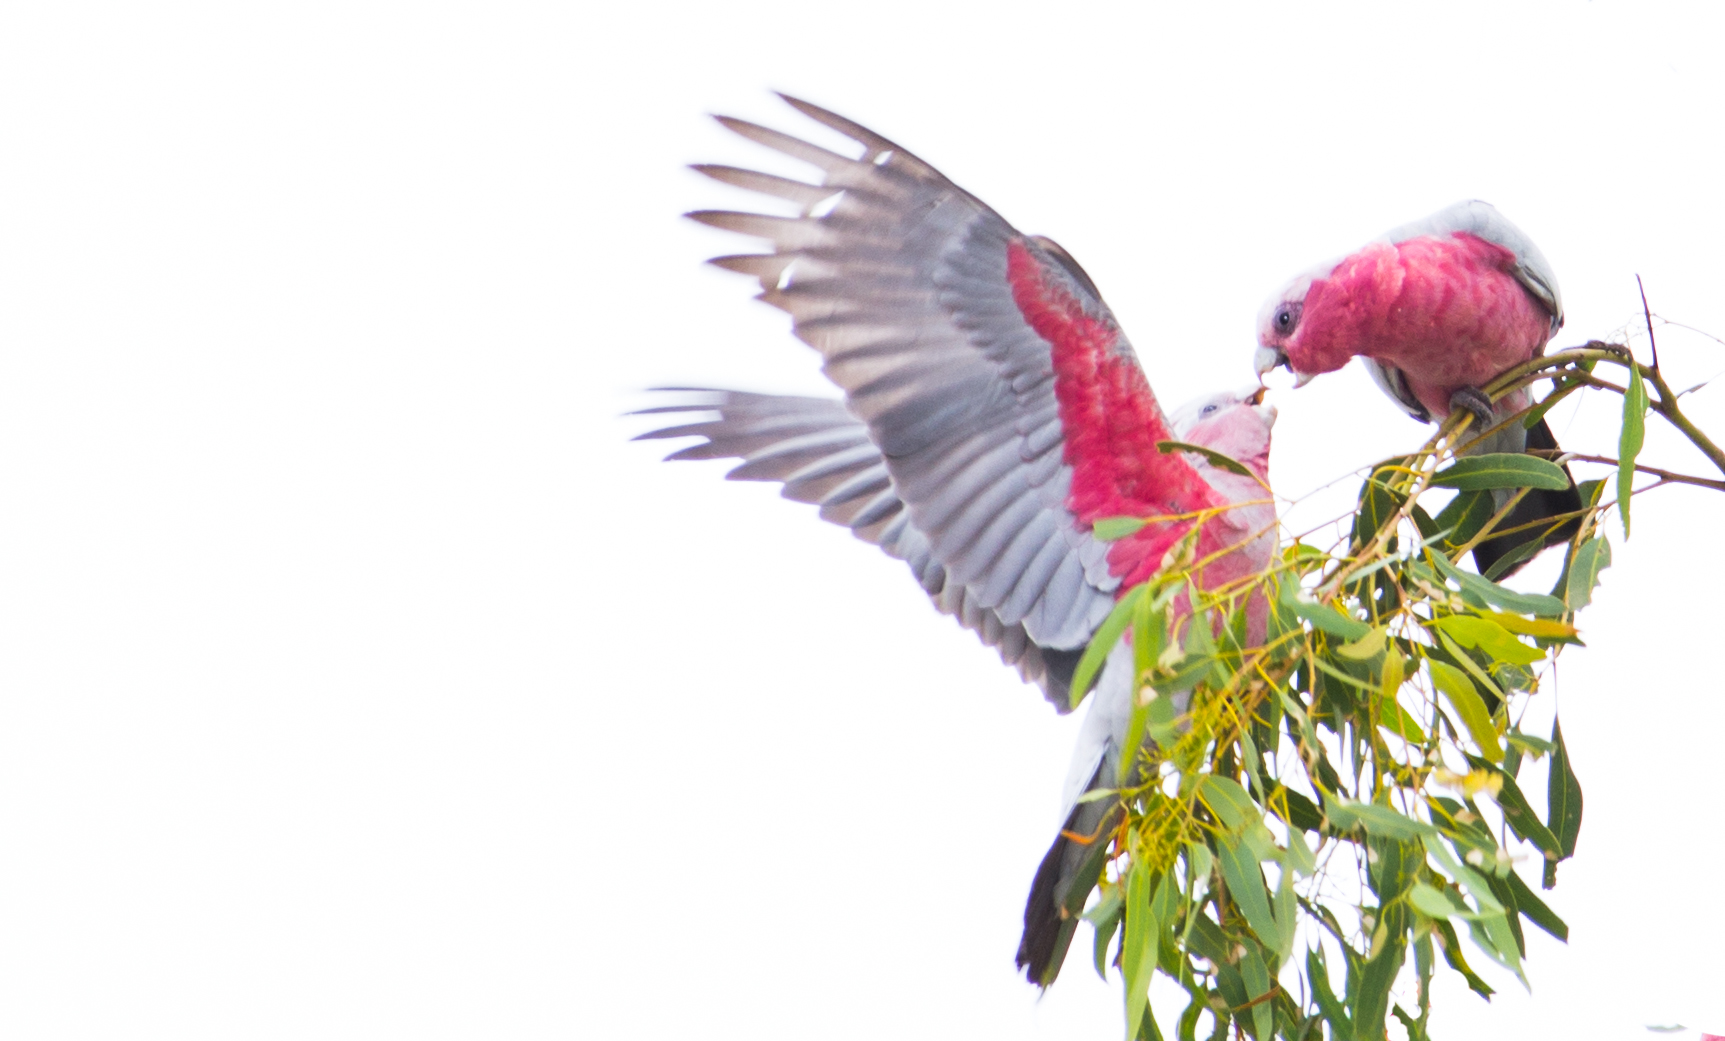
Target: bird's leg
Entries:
(1475, 401)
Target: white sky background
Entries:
(358, 679)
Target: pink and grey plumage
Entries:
(1436, 309)
(993, 411)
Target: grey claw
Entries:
(1474, 400)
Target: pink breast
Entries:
(1449, 312)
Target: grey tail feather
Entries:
(1064, 879)
(1502, 556)
(1062, 666)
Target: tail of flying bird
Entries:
(993, 411)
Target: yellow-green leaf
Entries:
(1545, 627)
(1400, 722)
(1455, 685)
(1395, 673)
(1490, 637)
(1367, 646)
(1109, 529)
(1629, 441)
(1471, 666)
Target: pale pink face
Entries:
(1234, 423)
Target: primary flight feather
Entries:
(993, 412)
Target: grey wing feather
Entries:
(823, 455)
(1394, 382)
(898, 278)
(1482, 219)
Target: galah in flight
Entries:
(993, 411)
(1436, 309)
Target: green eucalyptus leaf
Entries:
(1534, 910)
(1546, 628)
(1496, 595)
(1372, 1003)
(1298, 857)
(1537, 412)
(1318, 975)
(1138, 945)
(1377, 820)
(1102, 644)
(1215, 458)
(1534, 746)
(1112, 529)
(1512, 913)
(1501, 470)
(1366, 647)
(1258, 980)
(1435, 903)
(1105, 919)
(1377, 501)
(1323, 617)
(1471, 880)
(1428, 528)
(1246, 888)
(1593, 557)
(1463, 517)
(1400, 722)
(1466, 661)
(1518, 814)
(1198, 859)
(1453, 956)
(1630, 439)
(1231, 803)
(1392, 866)
(1456, 686)
(1514, 558)
(1488, 636)
(1563, 803)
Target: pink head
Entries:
(1314, 325)
(1234, 423)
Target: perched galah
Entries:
(1436, 309)
(993, 411)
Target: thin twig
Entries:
(1648, 315)
(1665, 475)
(1666, 406)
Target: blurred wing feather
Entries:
(777, 439)
(1007, 407)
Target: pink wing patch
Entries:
(1111, 423)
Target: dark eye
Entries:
(1206, 410)
(1287, 317)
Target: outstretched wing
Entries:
(1481, 219)
(1008, 407)
(822, 455)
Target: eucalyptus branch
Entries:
(1667, 407)
(1665, 476)
(1567, 364)
(1257, 703)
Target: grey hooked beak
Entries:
(1267, 358)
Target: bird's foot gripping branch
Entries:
(1313, 824)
